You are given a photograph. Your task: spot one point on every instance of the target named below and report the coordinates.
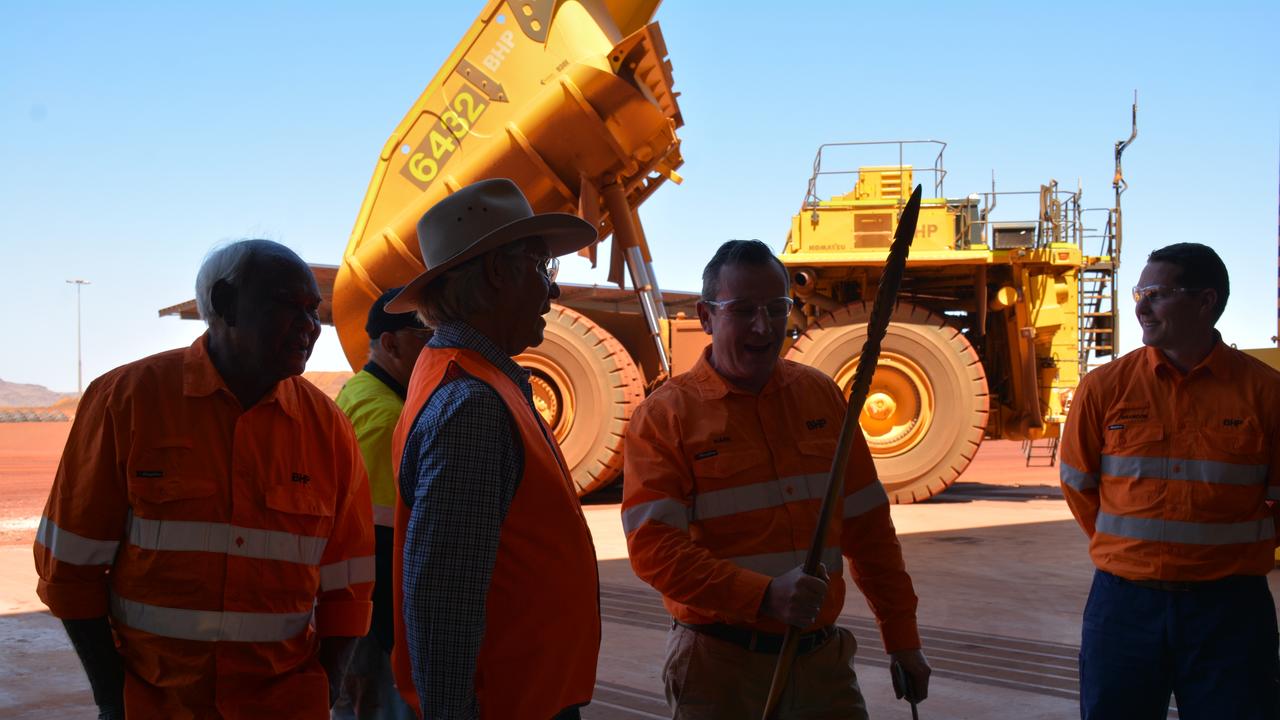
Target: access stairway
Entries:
(1096, 283)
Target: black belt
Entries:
(761, 642)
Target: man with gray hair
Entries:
(208, 541)
(495, 577)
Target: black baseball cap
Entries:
(381, 321)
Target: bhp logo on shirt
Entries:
(300, 478)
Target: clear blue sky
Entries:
(134, 137)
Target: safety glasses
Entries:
(1159, 293)
(547, 267)
(746, 310)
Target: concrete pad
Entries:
(997, 561)
(40, 675)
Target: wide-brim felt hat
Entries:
(479, 218)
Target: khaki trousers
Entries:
(710, 679)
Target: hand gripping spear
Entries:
(886, 297)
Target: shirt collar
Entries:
(382, 375)
(1217, 363)
(201, 378)
(712, 385)
(461, 335)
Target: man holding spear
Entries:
(726, 470)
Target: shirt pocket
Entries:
(1133, 438)
(728, 483)
(816, 455)
(300, 509)
(163, 477)
(1244, 444)
(719, 468)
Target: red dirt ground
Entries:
(28, 459)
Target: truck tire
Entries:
(926, 412)
(585, 386)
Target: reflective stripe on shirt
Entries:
(779, 563)
(384, 515)
(1273, 492)
(666, 511)
(1077, 479)
(69, 547)
(188, 536)
(1186, 532)
(865, 500)
(776, 493)
(345, 573)
(1209, 471)
(758, 496)
(208, 625)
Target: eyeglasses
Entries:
(1159, 293)
(547, 267)
(420, 333)
(745, 310)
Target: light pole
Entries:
(79, 366)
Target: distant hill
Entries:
(18, 395)
(25, 395)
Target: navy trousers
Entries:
(1214, 648)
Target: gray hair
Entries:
(227, 262)
(462, 291)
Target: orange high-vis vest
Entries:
(222, 542)
(1175, 477)
(542, 623)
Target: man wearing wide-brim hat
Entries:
(496, 588)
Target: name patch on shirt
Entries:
(1117, 426)
(149, 473)
(706, 454)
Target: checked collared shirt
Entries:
(461, 467)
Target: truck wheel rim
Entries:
(552, 396)
(899, 407)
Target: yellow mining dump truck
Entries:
(573, 100)
(996, 320)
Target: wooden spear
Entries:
(881, 310)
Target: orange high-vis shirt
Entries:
(1175, 477)
(223, 543)
(722, 491)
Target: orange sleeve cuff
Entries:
(345, 618)
(73, 601)
(900, 635)
(751, 587)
